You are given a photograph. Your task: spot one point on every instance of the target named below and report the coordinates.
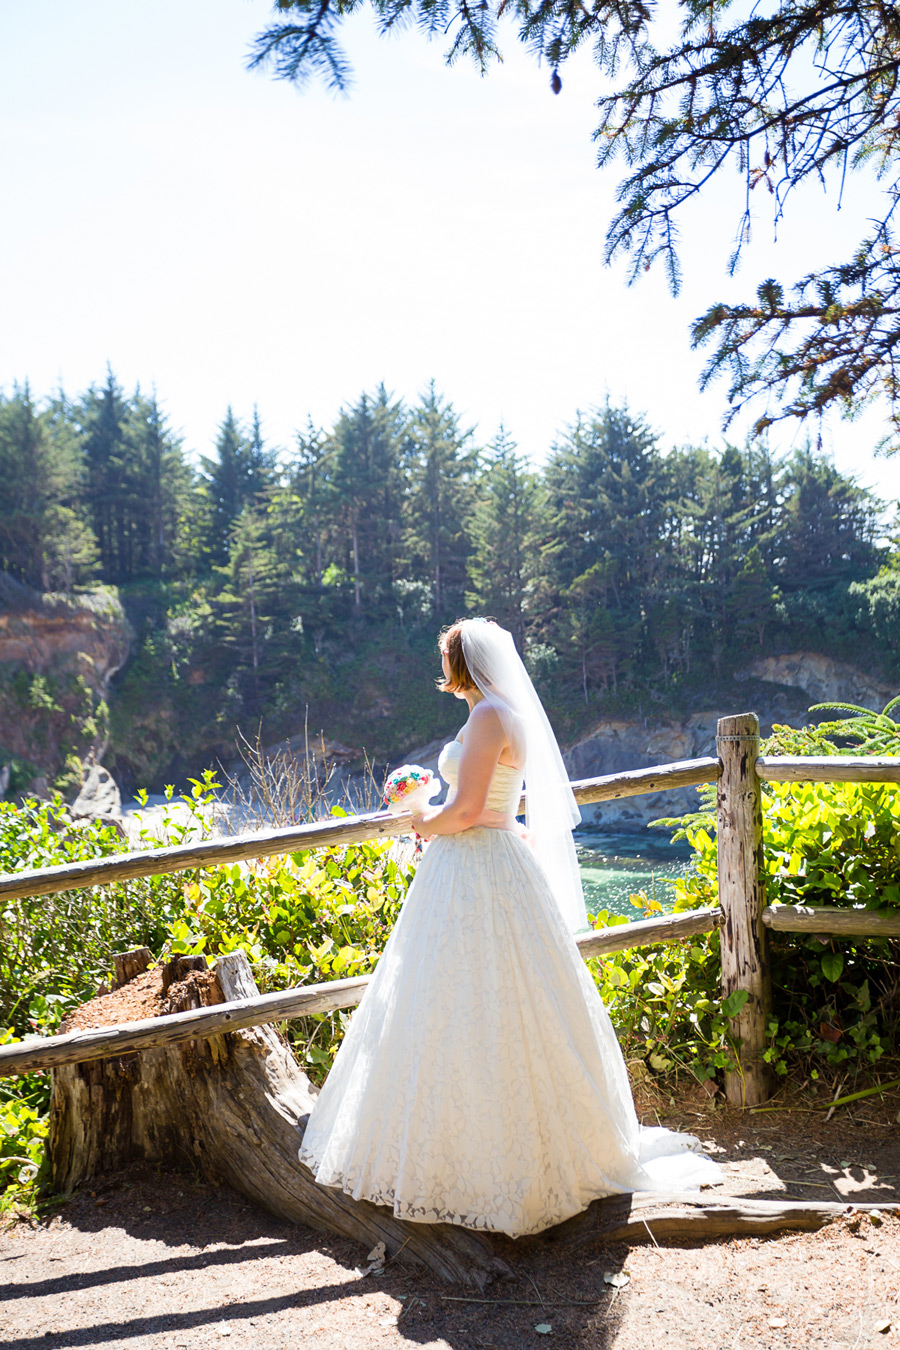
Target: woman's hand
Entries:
(421, 821)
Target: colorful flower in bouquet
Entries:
(410, 788)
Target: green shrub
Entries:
(23, 1134)
(304, 918)
(665, 1003)
(55, 950)
(836, 1001)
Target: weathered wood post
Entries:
(742, 897)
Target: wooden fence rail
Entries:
(76, 1047)
(742, 914)
(829, 768)
(319, 834)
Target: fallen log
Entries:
(696, 1215)
(233, 1106)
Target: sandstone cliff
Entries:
(57, 657)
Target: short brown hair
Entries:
(450, 644)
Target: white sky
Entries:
(228, 239)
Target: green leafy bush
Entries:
(302, 919)
(23, 1134)
(665, 1002)
(836, 1001)
(55, 950)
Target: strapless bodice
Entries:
(506, 783)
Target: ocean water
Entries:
(615, 866)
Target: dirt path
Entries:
(158, 1261)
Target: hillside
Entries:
(157, 608)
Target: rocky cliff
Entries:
(57, 657)
(777, 688)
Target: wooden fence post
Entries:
(742, 897)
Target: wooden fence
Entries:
(742, 913)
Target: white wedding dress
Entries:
(480, 1081)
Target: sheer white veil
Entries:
(551, 811)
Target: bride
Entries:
(480, 1081)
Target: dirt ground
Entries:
(160, 1260)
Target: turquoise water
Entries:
(614, 866)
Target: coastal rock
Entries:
(99, 795)
(822, 679)
(796, 681)
(616, 746)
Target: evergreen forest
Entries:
(270, 587)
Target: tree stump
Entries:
(233, 1107)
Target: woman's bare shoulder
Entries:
(485, 719)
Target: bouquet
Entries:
(410, 788)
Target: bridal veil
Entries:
(551, 812)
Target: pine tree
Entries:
(103, 415)
(247, 605)
(161, 480)
(503, 526)
(602, 481)
(827, 525)
(724, 505)
(44, 538)
(310, 483)
(601, 645)
(366, 482)
(262, 461)
(442, 467)
(242, 469)
(752, 602)
(604, 508)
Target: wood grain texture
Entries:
(884, 923)
(129, 964)
(661, 778)
(648, 932)
(242, 1011)
(829, 768)
(742, 897)
(209, 853)
(638, 1217)
(79, 1047)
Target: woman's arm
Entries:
(482, 748)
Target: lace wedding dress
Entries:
(480, 1081)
